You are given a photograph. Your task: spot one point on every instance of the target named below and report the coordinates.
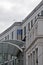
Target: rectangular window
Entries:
(35, 20)
(33, 57)
(42, 13)
(31, 23)
(12, 35)
(19, 34)
(8, 37)
(24, 31)
(37, 56)
(29, 26)
(29, 60)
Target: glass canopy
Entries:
(9, 47)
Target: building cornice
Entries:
(37, 37)
(36, 8)
(8, 29)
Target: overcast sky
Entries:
(15, 10)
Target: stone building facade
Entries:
(30, 30)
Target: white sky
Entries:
(15, 10)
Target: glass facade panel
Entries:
(3, 57)
(0, 58)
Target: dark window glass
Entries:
(13, 62)
(33, 57)
(8, 37)
(35, 20)
(38, 14)
(37, 56)
(29, 26)
(42, 13)
(24, 31)
(21, 33)
(31, 23)
(12, 35)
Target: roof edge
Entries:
(34, 10)
(9, 28)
